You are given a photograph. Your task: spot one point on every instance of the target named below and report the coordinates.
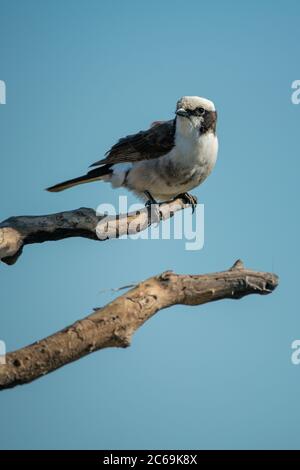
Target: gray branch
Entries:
(16, 232)
(114, 324)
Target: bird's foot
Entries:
(150, 199)
(189, 199)
(153, 208)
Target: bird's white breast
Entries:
(196, 150)
(186, 166)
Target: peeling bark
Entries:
(114, 324)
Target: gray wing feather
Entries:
(145, 145)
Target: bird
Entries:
(163, 162)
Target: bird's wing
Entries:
(145, 145)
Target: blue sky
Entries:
(81, 74)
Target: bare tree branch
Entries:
(16, 232)
(114, 324)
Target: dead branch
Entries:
(114, 324)
(16, 232)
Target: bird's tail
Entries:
(93, 175)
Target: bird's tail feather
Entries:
(93, 175)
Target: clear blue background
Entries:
(79, 75)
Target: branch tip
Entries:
(238, 265)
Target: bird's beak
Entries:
(182, 112)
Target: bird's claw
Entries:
(189, 199)
(153, 208)
(150, 199)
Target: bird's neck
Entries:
(192, 148)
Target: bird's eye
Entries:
(201, 111)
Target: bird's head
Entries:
(195, 113)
